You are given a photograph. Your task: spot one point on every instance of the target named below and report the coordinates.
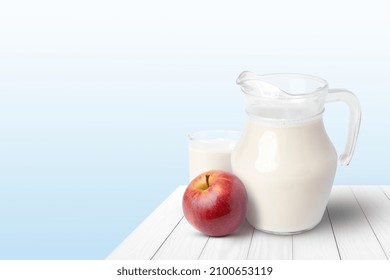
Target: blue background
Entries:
(97, 97)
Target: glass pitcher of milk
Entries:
(284, 156)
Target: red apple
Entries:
(215, 203)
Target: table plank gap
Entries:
(334, 236)
(292, 247)
(184, 243)
(166, 238)
(354, 236)
(232, 247)
(145, 240)
(376, 208)
(250, 243)
(318, 243)
(200, 255)
(265, 246)
(386, 191)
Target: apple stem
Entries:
(207, 180)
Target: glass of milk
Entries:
(211, 149)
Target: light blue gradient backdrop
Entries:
(97, 97)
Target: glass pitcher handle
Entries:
(354, 120)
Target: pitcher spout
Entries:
(255, 85)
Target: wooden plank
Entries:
(184, 243)
(376, 207)
(266, 246)
(231, 247)
(145, 240)
(316, 244)
(354, 236)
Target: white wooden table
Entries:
(356, 225)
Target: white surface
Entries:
(354, 235)
(318, 243)
(183, 243)
(270, 247)
(231, 247)
(356, 225)
(146, 239)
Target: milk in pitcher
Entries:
(288, 173)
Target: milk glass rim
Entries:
(202, 135)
